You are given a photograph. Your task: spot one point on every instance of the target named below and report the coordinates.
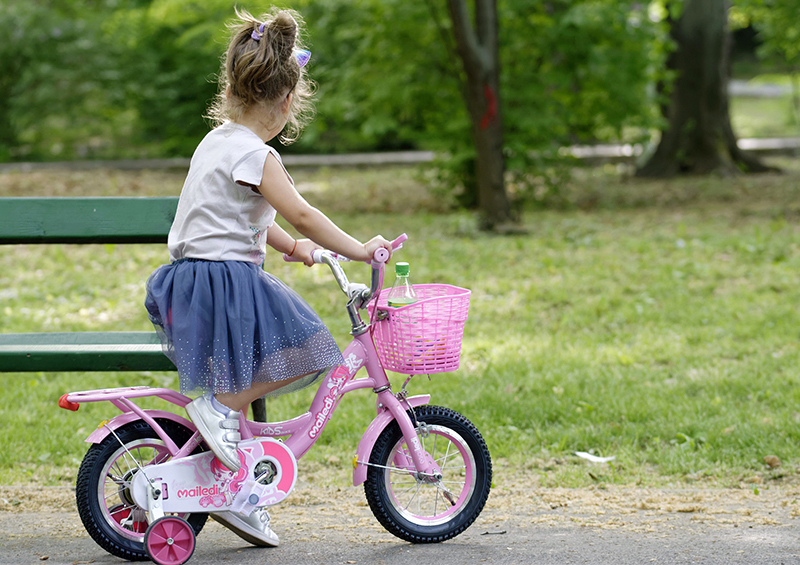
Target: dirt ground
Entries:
(514, 493)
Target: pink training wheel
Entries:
(170, 541)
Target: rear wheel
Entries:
(105, 504)
(427, 509)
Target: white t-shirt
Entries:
(219, 219)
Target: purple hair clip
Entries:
(257, 34)
(302, 56)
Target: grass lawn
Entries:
(653, 321)
(763, 117)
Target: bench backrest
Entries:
(86, 220)
(83, 221)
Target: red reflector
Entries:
(66, 404)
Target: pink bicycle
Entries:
(147, 484)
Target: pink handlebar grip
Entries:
(382, 255)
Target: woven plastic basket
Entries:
(424, 337)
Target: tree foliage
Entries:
(779, 24)
(144, 70)
(126, 78)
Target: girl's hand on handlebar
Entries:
(370, 247)
(303, 251)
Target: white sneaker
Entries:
(221, 431)
(253, 528)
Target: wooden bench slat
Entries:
(86, 220)
(82, 351)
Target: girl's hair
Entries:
(262, 72)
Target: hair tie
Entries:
(302, 55)
(258, 34)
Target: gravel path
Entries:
(521, 524)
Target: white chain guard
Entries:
(200, 483)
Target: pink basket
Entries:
(424, 337)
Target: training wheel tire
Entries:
(170, 541)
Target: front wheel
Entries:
(422, 509)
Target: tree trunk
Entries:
(478, 49)
(699, 138)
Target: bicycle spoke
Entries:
(122, 508)
(446, 455)
(443, 460)
(113, 493)
(414, 496)
(116, 466)
(413, 486)
(451, 482)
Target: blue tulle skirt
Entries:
(229, 324)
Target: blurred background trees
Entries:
(697, 136)
(132, 78)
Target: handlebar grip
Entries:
(382, 255)
(316, 256)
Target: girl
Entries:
(234, 331)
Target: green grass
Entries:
(765, 117)
(653, 321)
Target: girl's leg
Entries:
(240, 401)
(217, 418)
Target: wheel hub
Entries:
(125, 491)
(265, 472)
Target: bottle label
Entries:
(401, 301)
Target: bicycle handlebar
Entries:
(379, 259)
(380, 256)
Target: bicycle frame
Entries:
(301, 432)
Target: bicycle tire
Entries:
(407, 506)
(113, 521)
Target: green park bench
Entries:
(83, 221)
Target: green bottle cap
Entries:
(401, 269)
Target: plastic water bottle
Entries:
(402, 293)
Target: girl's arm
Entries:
(280, 241)
(279, 191)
